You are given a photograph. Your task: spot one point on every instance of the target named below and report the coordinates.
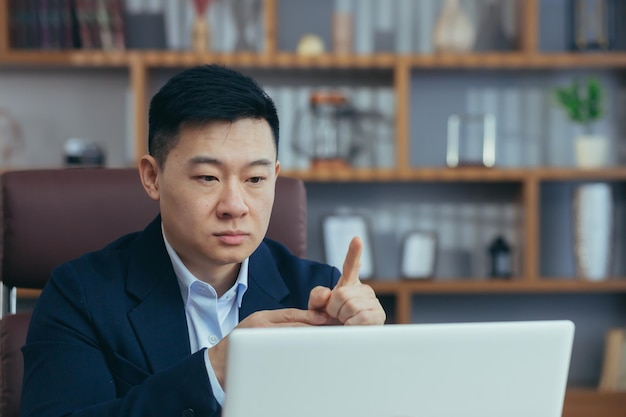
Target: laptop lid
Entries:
(513, 369)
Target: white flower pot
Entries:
(591, 151)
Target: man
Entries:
(140, 328)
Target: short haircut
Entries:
(200, 95)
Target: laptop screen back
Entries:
(513, 369)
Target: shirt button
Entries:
(188, 413)
(213, 339)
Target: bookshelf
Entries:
(142, 68)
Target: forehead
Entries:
(242, 136)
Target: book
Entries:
(46, 13)
(103, 24)
(14, 15)
(29, 24)
(613, 377)
(116, 20)
(87, 24)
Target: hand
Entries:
(350, 302)
(288, 317)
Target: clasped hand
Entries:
(349, 303)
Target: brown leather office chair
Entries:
(51, 216)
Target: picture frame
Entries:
(337, 232)
(463, 131)
(419, 255)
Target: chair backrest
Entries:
(51, 216)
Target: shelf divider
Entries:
(4, 27)
(402, 88)
(139, 91)
(528, 24)
(270, 15)
(530, 226)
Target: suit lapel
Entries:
(266, 288)
(159, 319)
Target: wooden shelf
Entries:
(468, 286)
(587, 402)
(165, 59)
(471, 174)
(547, 285)
(404, 290)
(81, 59)
(518, 60)
(577, 174)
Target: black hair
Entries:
(202, 94)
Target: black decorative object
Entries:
(83, 153)
(501, 260)
(491, 34)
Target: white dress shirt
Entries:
(209, 318)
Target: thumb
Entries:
(318, 298)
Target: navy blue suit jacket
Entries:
(109, 337)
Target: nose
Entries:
(232, 203)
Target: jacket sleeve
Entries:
(68, 372)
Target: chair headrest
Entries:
(50, 216)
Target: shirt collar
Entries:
(185, 278)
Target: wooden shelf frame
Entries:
(579, 402)
(587, 402)
(462, 174)
(277, 60)
(404, 290)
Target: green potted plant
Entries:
(583, 102)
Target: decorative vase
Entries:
(591, 151)
(454, 32)
(201, 33)
(593, 225)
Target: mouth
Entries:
(231, 237)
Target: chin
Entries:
(234, 254)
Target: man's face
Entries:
(216, 191)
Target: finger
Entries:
(297, 324)
(367, 318)
(296, 316)
(352, 263)
(358, 306)
(318, 298)
(353, 295)
(273, 318)
(346, 302)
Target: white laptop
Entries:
(502, 369)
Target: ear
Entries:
(149, 174)
(277, 167)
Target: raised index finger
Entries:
(352, 263)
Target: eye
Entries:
(256, 180)
(207, 178)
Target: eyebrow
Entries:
(199, 160)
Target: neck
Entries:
(221, 279)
